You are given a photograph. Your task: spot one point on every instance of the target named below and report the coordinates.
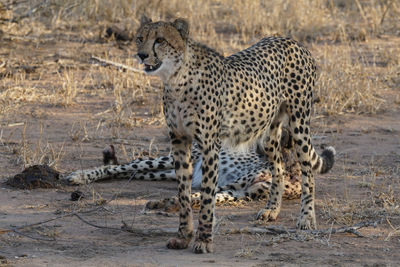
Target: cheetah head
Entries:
(161, 46)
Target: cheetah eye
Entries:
(139, 39)
(160, 40)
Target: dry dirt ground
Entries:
(363, 185)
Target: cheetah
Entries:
(241, 175)
(232, 102)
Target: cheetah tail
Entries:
(324, 162)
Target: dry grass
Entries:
(28, 153)
(354, 71)
(381, 204)
(304, 19)
(347, 84)
(379, 200)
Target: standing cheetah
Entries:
(240, 100)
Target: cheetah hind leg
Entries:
(273, 151)
(307, 220)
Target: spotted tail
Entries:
(324, 162)
(320, 163)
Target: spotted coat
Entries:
(239, 100)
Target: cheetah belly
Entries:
(240, 136)
(224, 178)
(231, 171)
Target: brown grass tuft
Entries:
(48, 46)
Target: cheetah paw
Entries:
(306, 223)
(154, 205)
(178, 243)
(267, 214)
(202, 247)
(168, 204)
(74, 178)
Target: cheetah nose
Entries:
(142, 56)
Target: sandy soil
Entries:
(363, 186)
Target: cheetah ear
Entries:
(144, 20)
(182, 26)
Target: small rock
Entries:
(77, 195)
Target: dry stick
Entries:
(172, 231)
(256, 230)
(148, 232)
(46, 221)
(95, 225)
(17, 228)
(33, 237)
(386, 10)
(116, 64)
(361, 11)
(279, 230)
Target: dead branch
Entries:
(76, 214)
(95, 225)
(116, 64)
(149, 232)
(49, 220)
(389, 5)
(273, 230)
(276, 230)
(32, 237)
(18, 228)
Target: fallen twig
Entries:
(15, 124)
(76, 214)
(95, 225)
(276, 230)
(273, 230)
(48, 220)
(116, 64)
(148, 232)
(32, 237)
(17, 229)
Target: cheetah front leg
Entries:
(204, 234)
(183, 167)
